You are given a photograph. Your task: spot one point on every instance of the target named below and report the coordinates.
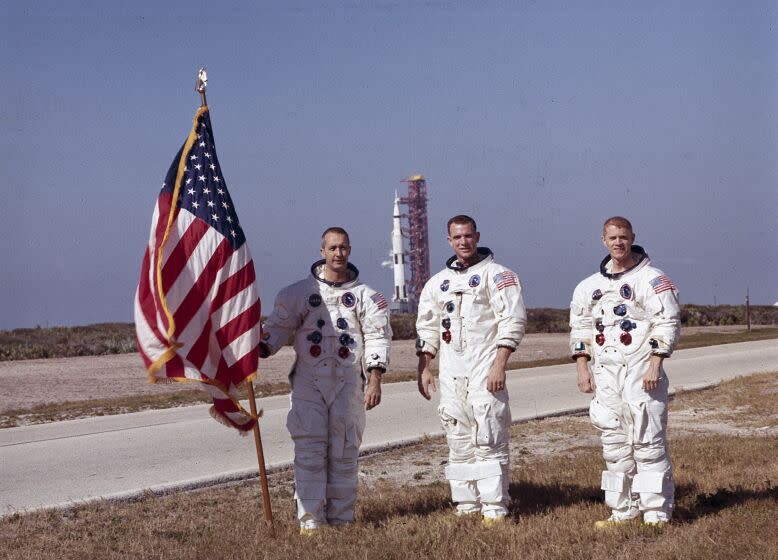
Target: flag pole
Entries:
(261, 460)
(200, 85)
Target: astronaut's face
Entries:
(335, 249)
(464, 240)
(618, 240)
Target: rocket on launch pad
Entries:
(400, 301)
(406, 293)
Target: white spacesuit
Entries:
(341, 330)
(464, 315)
(620, 320)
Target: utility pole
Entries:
(748, 312)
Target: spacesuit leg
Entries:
(654, 479)
(461, 471)
(491, 437)
(346, 426)
(307, 424)
(605, 413)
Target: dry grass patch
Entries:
(52, 342)
(70, 410)
(726, 509)
(701, 339)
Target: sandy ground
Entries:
(28, 383)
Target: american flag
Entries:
(379, 299)
(662, 284)
(196, 307)
(505, 279)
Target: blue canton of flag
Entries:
(203, 190)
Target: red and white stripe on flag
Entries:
(505, 278)
(379, 299)
(662, 284)
(196, 308)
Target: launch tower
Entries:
(418, 236)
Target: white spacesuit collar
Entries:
(483, 254)
(642, 259)
(317, 269)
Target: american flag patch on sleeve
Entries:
(662, 284)
(379, 300)
(505, 279)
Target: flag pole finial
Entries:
(200, 85)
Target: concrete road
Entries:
(122, 456)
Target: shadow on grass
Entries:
(529, 498)
(423, 501)
(691, 504)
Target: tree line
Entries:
(119, 338)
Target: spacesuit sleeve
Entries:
(580, 323)
(376, 330)
(427, 322)
(664, 313)
(507, 304)
(283, 321)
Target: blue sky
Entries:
(540, 119)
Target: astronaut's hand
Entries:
(426, 382)
(585, 377)
(496, 380)
(651, 378)
(373, 390)
(264, 351)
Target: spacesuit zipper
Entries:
(461, 319)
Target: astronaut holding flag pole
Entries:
(341, 340)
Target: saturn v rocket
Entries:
(400, 301)
(406, 293)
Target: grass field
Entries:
(723, 443)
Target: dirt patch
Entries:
(424, 463)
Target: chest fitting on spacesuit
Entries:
(446, 334)
(345, 339)
(611, 309)
(452, 320)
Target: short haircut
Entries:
(617, 221)
(461, 219)
(335, 229)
